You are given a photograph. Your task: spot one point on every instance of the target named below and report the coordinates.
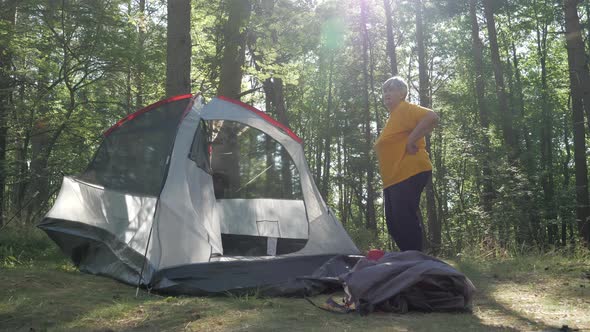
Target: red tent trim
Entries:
(143, 110)
(265, 117)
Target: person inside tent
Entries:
(404, 164)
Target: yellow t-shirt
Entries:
(395, 164)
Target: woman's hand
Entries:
(411, 148)
(424, 127)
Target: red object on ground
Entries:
(375, 254)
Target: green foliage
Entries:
(78, 67)
(22, 245)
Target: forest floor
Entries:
(44, 292)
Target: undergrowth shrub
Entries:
(25, 245)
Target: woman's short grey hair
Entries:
(396, 83)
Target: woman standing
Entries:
(404, 163)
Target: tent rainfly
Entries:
(186, 198)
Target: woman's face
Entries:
(392, 98)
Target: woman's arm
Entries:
(423, 128)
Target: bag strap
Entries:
(332, 306)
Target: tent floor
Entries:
(285, 276)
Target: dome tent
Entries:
(188, 198)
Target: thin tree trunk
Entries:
(128, 71)
(328, 134)
(576, 61)
(40, 185)
(39, 173)
(434, 227)
(141, 57)
(7, 17)
(40, 139)
(178, 48)
(588, 30)
(370, 210)
(21, 158)
(377, 104)
(506, 114)
(477, 47)
(523, 230)
(546, 136)
(575, 47)
(409, 79)
(391, 47)
(519, 117)
(566, 176)
(319, 144)
(340, 182)
(581, 168)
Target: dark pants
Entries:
(402, 209)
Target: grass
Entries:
(42, 291)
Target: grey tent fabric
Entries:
(403, 281)
(156, 207)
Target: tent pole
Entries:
(186, 110)
(144, 260)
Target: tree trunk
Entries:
(506, 114)
(41, 130)
(39, 172)
(576, 63)
(370, 220)
(581, 168)
(141, 58)
(566, 177)
(328, 134)
(230, 82)
(546, 136)
(576, 54)
(275, 103)
(234, 48)
(178, 48)
(19, 188)
(7, 18)
(40, 183)
(379, 119)
(129, 72)
(527, 226)
(528, 158)
(391, 52)
(477, 47)
(340, 177)
(434, 227)
(588, 26)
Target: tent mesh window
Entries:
(247, 163)
(133, 157)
